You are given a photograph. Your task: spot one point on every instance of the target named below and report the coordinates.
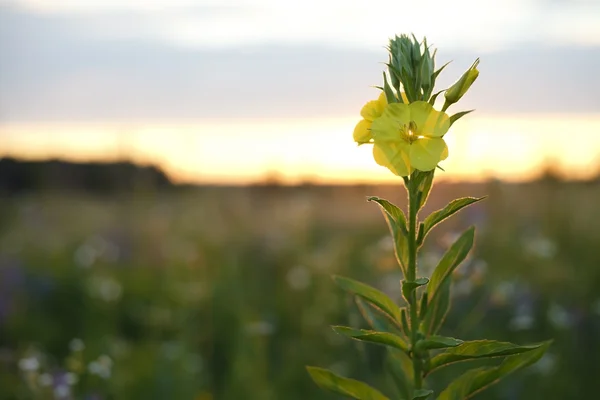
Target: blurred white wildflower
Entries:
(521, 322)
(85, 256)
(101, 367)
(503, 293)
(76, 345)
(559, 316)
(540, 246)
(62, 391)
(71, 379)
(104, 288)
(94, 248)
(298, 278)
(546, 364)
(523, 318)
(29, 364)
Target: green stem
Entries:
(412, 275)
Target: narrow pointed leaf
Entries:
(358, 390)
(422, 394)
(436, 73)
(425, 187)
(437, 309)
(476, 380)
(389, 93)
(371, 295)
(396, 221)
(478, 349)
(459, 115)
(383, 338)
(435, 96)
(376, 318)
(391, 210)
(437, 342)
(452, 208)
(451, 259)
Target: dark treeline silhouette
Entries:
(18, 176)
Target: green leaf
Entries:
(437, 342)
(383, 338)
(399, 366)
(376, 318)
(458, 115)
(436, 73)
(409, 286)
(327, 380)
(371, 295)
(437, 309)
(478, 349)
(435, 96)
(453, 257)
(396, 221)
(452, 208)
(391, 210)
(422, 394)
(476, 380)
(405, 325)
(424, 187)
(389, 93)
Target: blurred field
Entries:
(224, 293)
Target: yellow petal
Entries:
(393, 156)
(362, 132)
(426, 153)
(445, 152)
(429, 121)
(373, 109)
(382, 99)
(387, 127)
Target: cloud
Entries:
(55, 69)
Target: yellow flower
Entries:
(409, 136)
(370, 111)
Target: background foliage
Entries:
(225, 293)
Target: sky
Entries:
(234, 90)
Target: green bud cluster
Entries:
(411, 68)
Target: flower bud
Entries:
(456, 91)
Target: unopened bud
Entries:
(456, 91)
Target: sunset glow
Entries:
(318, 150)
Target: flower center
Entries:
(408, 132)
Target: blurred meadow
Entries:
(225, 292)
(178, 183)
